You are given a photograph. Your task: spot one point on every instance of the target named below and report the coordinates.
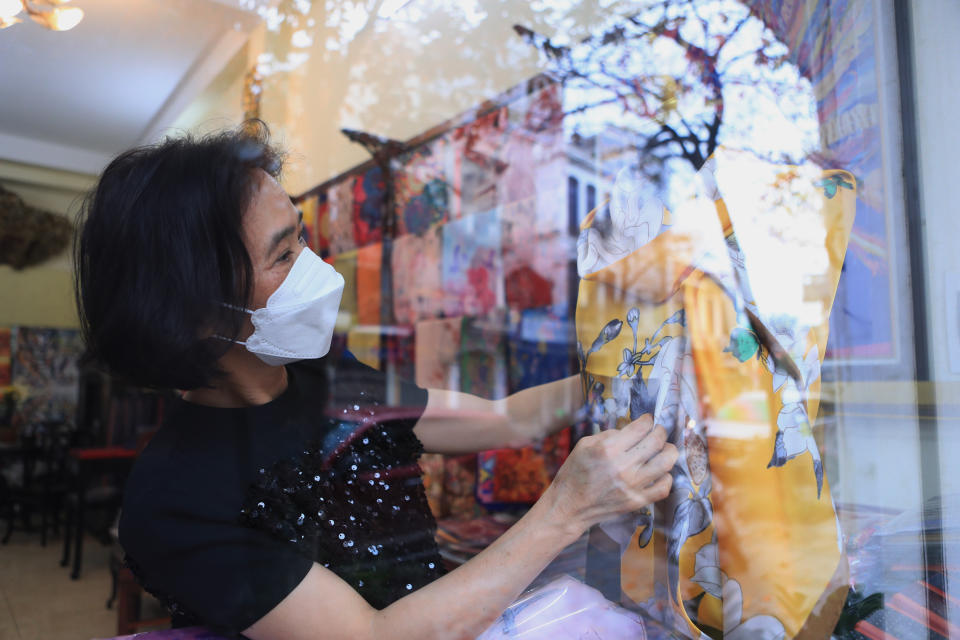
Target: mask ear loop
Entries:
(235, 308)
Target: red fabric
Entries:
(527, 289)
(101, 453)
(368, 284)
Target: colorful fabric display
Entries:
(431, 464)
(424, 187)
(459, 486)
(322, 227)
(437, 353)
(309, 207)
(369, 191)
(542, 126)
(472, 265)
(44, 368)
(401, 352)
(340, 215)
(716, 326)
(346, 265)
(555, 450)
(364, 343)
(518, 476)
(551, 181)
(479, 162)
(5, 344)
(526, 288)
(465, 538)
(539, 349)
(534, 139)
(483, 356)
(368, 284)
(535, 264)
(417, 287)
(518, 181)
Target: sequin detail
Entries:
(336, 513)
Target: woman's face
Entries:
(273, 235)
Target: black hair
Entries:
(159, 252)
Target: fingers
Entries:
(634, 432)
(649, 445)
(658, 465)
(640, 440)
(659, 490)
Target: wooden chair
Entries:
(43, 481)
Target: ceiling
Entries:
(71, 100)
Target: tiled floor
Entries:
(39, 601)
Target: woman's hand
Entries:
(611, 473)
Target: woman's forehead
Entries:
(265, 186)
(270, 209)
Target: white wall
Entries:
(42, 295)
(937, 78)
(935, 25)
(937, 85)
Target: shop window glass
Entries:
(730, 216)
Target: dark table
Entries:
(85, 465)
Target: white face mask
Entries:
(298, 321)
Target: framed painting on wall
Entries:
(846, 50)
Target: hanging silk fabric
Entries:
(713, 318)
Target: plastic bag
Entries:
(565, 609)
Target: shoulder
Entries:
(181, 529)
(350, 384)
(206, 566)
(190, 445)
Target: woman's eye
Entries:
(286, 256)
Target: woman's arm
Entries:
(607, 474)
(455, 422)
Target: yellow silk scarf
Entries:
(748, 543)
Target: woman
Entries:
(281, 497)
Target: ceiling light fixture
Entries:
(52, 14)
(8, 12)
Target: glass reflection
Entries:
(663, 126)
(698, 207)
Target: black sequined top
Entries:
(227, 509)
